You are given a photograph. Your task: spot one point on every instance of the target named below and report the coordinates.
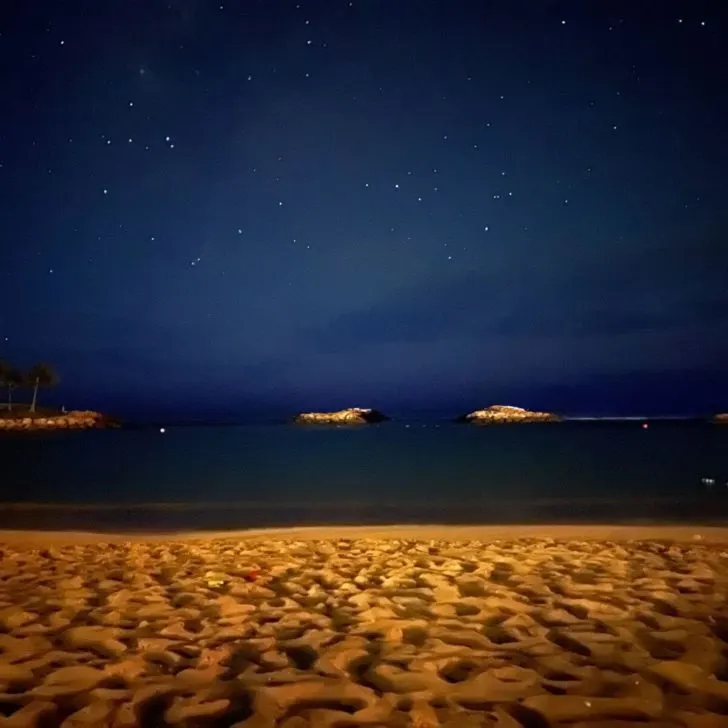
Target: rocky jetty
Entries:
(501, 413)
(75, 420)
(351, 416)
(363, 632)
(721, 419)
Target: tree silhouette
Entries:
(10, 378)
(40, 375)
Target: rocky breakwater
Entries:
(351, 416)
(389, 633)
(75, 420)
(721, 419)
(501, 413)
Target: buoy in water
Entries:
(644, 425)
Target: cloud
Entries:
(664, 289)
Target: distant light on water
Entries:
(644, 425)
(162, 430)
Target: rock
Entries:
(75, 420)
(499, 413)
(721, 419)
(351, 416)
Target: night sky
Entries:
(244, 206)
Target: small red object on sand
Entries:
(253, 574)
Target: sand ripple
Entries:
(373, 632)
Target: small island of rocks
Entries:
(28, 416)
(721, 419)
(74, 420)
(350, 416)
(506, 414)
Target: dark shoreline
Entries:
(711, 509)
(140, 425)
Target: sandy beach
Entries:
(400, 626)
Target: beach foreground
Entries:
(379, 627)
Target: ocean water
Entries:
(426, 472)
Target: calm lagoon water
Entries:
(240, 476)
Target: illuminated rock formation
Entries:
(501, 413)
(721, 419)
(76, 420)
(351, 416)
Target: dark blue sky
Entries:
(228, 207)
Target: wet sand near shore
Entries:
(373, 626)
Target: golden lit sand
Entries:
(402, 626)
